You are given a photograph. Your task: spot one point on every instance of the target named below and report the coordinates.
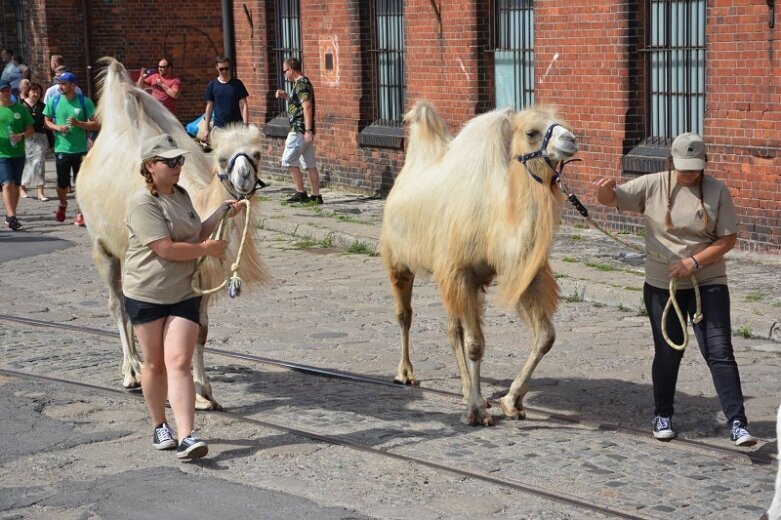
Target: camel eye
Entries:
(256, 155)
(531, 134)
(223, 162)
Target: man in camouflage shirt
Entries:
(300, 144)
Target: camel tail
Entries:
(428, 134)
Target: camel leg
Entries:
(455, 333)
(463, 298)
(204, 400)
(536, 306)
(402, 281)
(110, 268)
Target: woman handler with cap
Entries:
(166, 237)
(689, 220)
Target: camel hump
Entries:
(428, 132)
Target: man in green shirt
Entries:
(16, 124)
(70, 116)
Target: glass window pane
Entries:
(514, 54)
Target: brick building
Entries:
(628, 75)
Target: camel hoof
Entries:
(409, 381)
(477, 418)
(510, 411)
(131, 383)
(207, 403)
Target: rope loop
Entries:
(233, 281)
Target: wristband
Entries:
(309, 131)
(696, 263)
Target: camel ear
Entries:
(254, 131)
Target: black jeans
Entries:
(714, 336)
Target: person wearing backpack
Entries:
(70, 116)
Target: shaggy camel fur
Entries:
(465, 210)
(774, 513)
(110, 173)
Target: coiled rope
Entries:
(233, 281)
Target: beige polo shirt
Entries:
(148, 277)
(648, 195)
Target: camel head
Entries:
(540, 142)
(236, 152)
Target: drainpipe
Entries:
(228, 35)
(87, 45)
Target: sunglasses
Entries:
(284, 71)
(223, 69)
(163, 66)
(172, 163)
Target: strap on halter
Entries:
(259, 184)
(542, 152)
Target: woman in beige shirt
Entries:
(166, 237)
(690, 224)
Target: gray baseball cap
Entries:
(161, 146)
(688, 151)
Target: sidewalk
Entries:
(589, 265)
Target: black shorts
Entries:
(64, 163)
(143, 312)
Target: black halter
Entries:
(224, 177)
(542, 152)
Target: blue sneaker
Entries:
(663, 428)
(192, 447)
(740, 435)
(163, 437)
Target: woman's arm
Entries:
(710, 255)
(183, 251)
(208, 226)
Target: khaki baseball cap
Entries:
(688, 151)
(160, 146)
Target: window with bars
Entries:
(288, 42)
(387, 51)
(675, 68)
(513, 44)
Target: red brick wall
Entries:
(138, 33)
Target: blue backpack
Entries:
(56, 99)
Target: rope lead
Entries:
(233, 281)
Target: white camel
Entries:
(110, 173)
(774, 513)
(467, 209)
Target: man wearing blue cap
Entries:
(70, 116)
(16, 124)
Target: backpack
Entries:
(91, 136)
(56, 99)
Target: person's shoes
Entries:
(79, 220)
(299, 196)
(192, 447)
(163, 437)
(43, 199)
(24, 195)
(740, 435)
(663, 428)
(317, 199)
(13, 223)
(60, 215)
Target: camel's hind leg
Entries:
(110, 268)
(204, 400)
(402, 281)
(537, 306)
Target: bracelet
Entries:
(309, 130)
(696, 263)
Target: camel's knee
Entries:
(474, 350)
(545, 340)
(404, 317)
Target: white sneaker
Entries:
(163, 437)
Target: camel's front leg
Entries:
(455, 333)
(204, 400)
(110, 268)
(537, 305)
(401, 286)
(474, 344)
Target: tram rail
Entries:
(689, 445)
